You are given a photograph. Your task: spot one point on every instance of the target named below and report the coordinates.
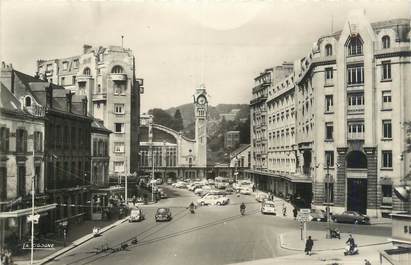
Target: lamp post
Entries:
(327, 198)
(235, 169)
(152, 172)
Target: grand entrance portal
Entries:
(357, 183)
(357, 195)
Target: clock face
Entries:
(201, 100)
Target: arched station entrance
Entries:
(357, 181)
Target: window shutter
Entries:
(24, 141)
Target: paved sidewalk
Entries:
(331, 257)
(292, 241)
(74, 244)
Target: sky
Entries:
(180, 44)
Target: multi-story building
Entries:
(351, 115)
(100, 137)
(21, 165)
(106, 76)
(231, 139)
(67, 135)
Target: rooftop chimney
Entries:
(49, 96)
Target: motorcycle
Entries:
(349, 251)
(335, 233)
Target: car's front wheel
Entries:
(356, 221)
(219, 203)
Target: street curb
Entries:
(281, 236)
(75, 244)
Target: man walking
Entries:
(308, 246)
(295, 212)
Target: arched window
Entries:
(86, 71)
(385, 42)
(355, 46)
(328, 50)
(117, 69)
(27, 101)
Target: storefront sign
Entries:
(48, 246)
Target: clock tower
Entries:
(200, 114)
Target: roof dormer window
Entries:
(328, 50)
(117, 70)
(87, 71)
(355, 46)
(27, 101)
(385, 42)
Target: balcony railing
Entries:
(118, 77)
(355, 87)
(100, 97)
(358, 109)
(355, 136)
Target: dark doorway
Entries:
(307, 162)
(357, 195)
(356, 159)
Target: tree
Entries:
(178, 121)
(162, 118)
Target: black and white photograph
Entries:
(205, 132)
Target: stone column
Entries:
(372, 182)
(340, 188)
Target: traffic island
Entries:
(292, 241)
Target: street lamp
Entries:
(235, 168)
(327, 198)
(152, 172)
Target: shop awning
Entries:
(27, 211)
(295, 178)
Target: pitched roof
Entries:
(8, 100)
(98, 125)
(239, 149)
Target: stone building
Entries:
(67, 135)
(361, 77)
(22, 131)
(172, 155)
(100, 137)
(350, 101)
(106, 76)
(231, 139)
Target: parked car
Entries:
(318, 215)
(213, 200)
(169, 181)
(163, 195)
(198, 191)
(136, 215)
(210, 181)
(163, 214)
(260, 197)
(180, 185)
(351, 217)
(159, 181)
(268, 207)
(246, 191)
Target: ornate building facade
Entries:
(350, 101)
(106, 76)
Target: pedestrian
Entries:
(367, 262)
(284, 210)
(253, 188)
(134, 200)
(308, 246)
(295, 212)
